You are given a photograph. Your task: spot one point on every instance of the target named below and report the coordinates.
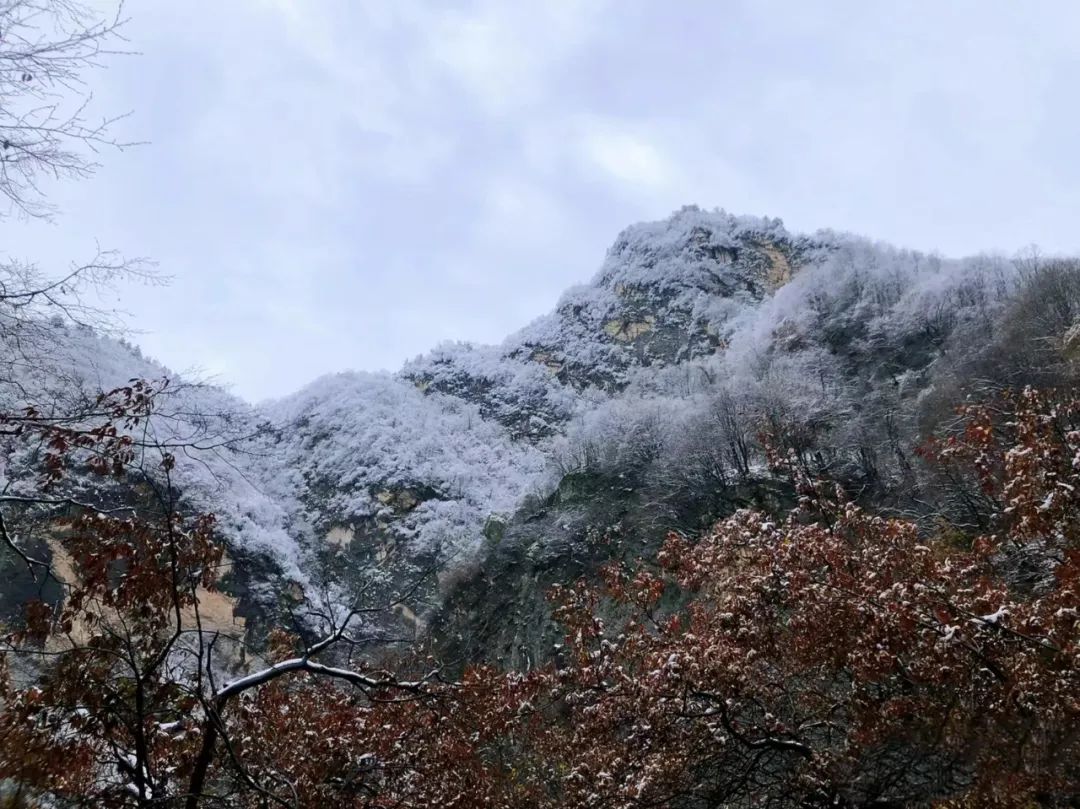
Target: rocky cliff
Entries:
(632, 409)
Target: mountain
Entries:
(634, 408)
(415, 465)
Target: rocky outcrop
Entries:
(498, 467)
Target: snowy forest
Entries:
(751, 518)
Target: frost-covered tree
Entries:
(49, 132)
(48, 127)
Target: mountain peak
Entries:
(713, 251)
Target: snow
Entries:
(216, 477)
(993, 618)
(367, 433)
(471, 430)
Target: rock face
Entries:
(507, 468)
(666, 294)
(416, 468)
(1070, 343)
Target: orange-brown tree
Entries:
(113, 696)
(840, 658)
(832, 657)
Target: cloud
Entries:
(504, 55)
(628, 158)
(344, 184)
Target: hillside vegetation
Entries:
(751, 519)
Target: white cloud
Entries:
(504, 54)
(628, 158)
(343, 184)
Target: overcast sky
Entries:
(339, 184)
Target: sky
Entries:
(343, 184)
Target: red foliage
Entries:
(830, 658)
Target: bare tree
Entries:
(129, 664)
(48, 132)
(47, 128)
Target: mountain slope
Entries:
(634, 406)
(824, 332)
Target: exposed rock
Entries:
(400, 500)
(1070, 343)
(547, 359)
(626, 331)
(379, 477)
(495, 529)
(294, 593)
(341, 535)
(780, 269)
(217, 611)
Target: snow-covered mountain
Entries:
(372, 477)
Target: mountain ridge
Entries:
(369, 479)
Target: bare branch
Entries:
(46, 127)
